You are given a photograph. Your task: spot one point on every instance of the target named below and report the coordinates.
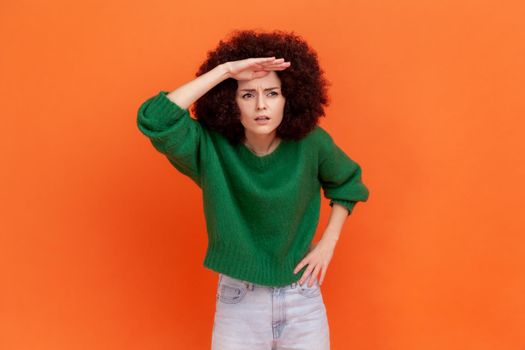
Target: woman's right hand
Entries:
(253, 68)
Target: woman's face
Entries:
(260, 97)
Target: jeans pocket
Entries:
(231, 293)
(312, 291)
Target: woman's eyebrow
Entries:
(272, 88)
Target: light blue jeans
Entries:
(249, 316)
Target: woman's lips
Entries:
(261, 120)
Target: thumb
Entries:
(259, 74)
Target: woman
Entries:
(258, 154)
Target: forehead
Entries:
(269, 80)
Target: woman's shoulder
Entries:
(320, 136)
(318, 141)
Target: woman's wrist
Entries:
(191, 91)
(224, 70)
(331, 236)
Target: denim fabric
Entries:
(249, 316)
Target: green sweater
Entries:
(261, 211)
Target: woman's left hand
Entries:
(317, 260)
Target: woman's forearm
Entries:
(190, 92)
(335, 224)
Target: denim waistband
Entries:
(251, 285)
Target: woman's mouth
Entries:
(261, 120)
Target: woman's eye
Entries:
(271, 92)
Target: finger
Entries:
(275, 64)
(259, 74)
(264, 59)
(305, 274)
(279, 65)
(314, 275)
(273, 61)
(276, 68)
(303, 262)
(299, 267)
(323, 273)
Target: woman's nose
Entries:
(261, 103)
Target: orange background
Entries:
(102, 240)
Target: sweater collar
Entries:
(270, 158)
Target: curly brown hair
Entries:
(302, 84)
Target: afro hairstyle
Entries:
(302, 84)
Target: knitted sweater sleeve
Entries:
(172, 132)
(340, 176)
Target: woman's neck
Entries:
(262, 144)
